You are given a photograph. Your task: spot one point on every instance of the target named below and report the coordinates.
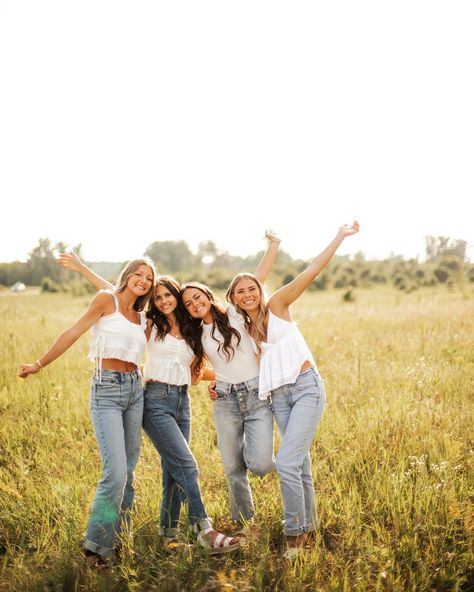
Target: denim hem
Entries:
(95, 548)
(199, 525)
(293, 531)
(167, 532)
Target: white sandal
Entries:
(220, 544)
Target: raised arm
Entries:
(266, 262)
(72, 261)
(96, 309)
(286, 295)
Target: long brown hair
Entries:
(220, 321)
(258, 333)
(142, 302)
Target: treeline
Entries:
(446, 263)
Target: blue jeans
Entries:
(298, 409)
(116, 409)
(167, 422)
(244, 427)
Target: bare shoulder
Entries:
(103, 301)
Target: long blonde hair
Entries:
(142, 302)
(258, 328)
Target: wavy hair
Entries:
(220, 321)
(185, 322)
(142, 302)
(256, 328)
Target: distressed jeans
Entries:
(116, 409)
(298, 409)
(244, 427)
(167, 422)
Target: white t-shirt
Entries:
(243, 365)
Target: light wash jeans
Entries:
(244, 427)
(116, 409)
(298, 409)
(167, 422)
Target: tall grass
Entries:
(392, 459)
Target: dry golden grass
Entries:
(393, 458)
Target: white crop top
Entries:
(244, 364)
(114, 336)
(282, 355)
(168, 360)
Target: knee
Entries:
(286, 466)
(115, 479)
(260, 467)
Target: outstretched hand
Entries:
(70, 261)
(26, 369)
(272, 237)
(347, 230)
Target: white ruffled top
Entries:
(282, 355)
(168, 360)
(114, 336)
(243, 365)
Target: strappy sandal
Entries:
(218, 544)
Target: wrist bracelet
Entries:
(39, 364)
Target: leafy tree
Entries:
(170, 256)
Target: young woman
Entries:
(289, 378)
(168, 372)
(244, 423)
(118, 326)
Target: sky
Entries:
(124, 123)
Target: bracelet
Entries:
(275, 240)
(39, 364)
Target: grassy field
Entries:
(393, 458)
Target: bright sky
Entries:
(122, 123)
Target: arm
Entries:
(72, 261)
(286, 295)
(96, 309)
(205, 373)
(266, 263)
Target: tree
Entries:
(440, 246)
(170, 256)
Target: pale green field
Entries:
(393, 458)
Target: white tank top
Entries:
(114, 336)
(168, 360)
(244, 364)
(282, 355)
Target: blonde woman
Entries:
(117, 319)
(290, 380)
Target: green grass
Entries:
(392, 459)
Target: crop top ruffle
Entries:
(282, 355)
(114, 336)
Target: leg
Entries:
(132, 423)
(258, 440)
(297, 413)
(104, 519)
(165, 434)
(230, 437)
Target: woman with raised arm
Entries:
(118, 324)
(244, 423)
(290, 379)
(168, 372)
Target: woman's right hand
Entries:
(26, 369)
(70, 261)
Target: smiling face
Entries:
(198, 304)
(141, 280)
(246, 295)
(164, 300)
